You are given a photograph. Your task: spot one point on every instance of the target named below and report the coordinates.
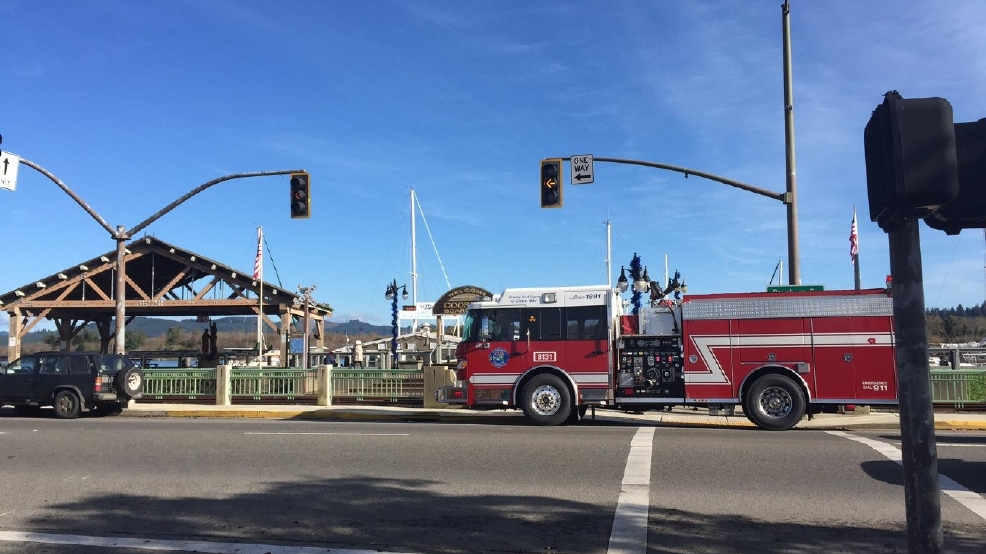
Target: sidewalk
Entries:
(679, 417)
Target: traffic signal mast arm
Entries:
(201, 188)
(781, 196)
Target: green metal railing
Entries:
(389, 385)
(273, 383)
(349, 386)
(180, 384)
(958, 387)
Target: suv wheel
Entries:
(67, 405)
(130, 381)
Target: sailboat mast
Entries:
(609, 253)
(414, 267)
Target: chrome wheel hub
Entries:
(776, 402)
(546, 400)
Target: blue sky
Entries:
(133, 104)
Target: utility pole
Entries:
(919, 454)
(791, 197)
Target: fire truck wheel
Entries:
(546, 400)
(775, 403)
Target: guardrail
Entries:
(286, 385)
(397, 386)
(180, 385)
(273, 384)
(961, 388)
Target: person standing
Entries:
(358, 355)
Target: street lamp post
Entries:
(391, 295)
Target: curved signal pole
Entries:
(788, 198)
(121, 235)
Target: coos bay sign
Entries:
(455, 301)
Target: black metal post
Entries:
(393, 338)
(922, 493)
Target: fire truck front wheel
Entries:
(547, 400)
(775, 403)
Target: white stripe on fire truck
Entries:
(590, 378)
(716, 376)
(493, 378)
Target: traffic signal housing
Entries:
(911, 167)
(551, 181)
(301, 200)
(968, 210)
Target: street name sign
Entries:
(582, 169)
(8, 170)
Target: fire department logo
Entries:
(499, 357)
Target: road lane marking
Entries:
(327, 433)
(964, 496)
(207, 547)
(629, 534)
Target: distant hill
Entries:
(156, 327)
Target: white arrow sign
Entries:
(582, 169)
(8, 170)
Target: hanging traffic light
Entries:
(551, 180)
(968, 210)
(301, 201)
(911, 169)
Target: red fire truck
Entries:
(553, 352)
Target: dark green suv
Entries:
(70, 382)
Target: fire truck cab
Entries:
(553, 352)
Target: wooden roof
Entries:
(161, 280)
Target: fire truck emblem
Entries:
(499, 357)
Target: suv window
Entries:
(80, 365)
(25, 364)
(54, 364)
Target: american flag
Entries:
(853, 237)
(259, 261)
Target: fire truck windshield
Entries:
(470, 331)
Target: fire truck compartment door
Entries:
(834, 358)
(873, 358)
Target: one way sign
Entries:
(582, 169)
(9, 164)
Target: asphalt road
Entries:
(429, 488)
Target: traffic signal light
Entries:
(911, 167)
(301, 200)
(968, 210)
(551, 180)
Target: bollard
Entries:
(223, 396)
(324, 385)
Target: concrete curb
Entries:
(518, 419)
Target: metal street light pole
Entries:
(794, 265)
(391, 295)
(121, 235)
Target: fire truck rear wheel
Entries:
(775, 402)
(546, 400)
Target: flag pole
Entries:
(854, 247)
(258, 273)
